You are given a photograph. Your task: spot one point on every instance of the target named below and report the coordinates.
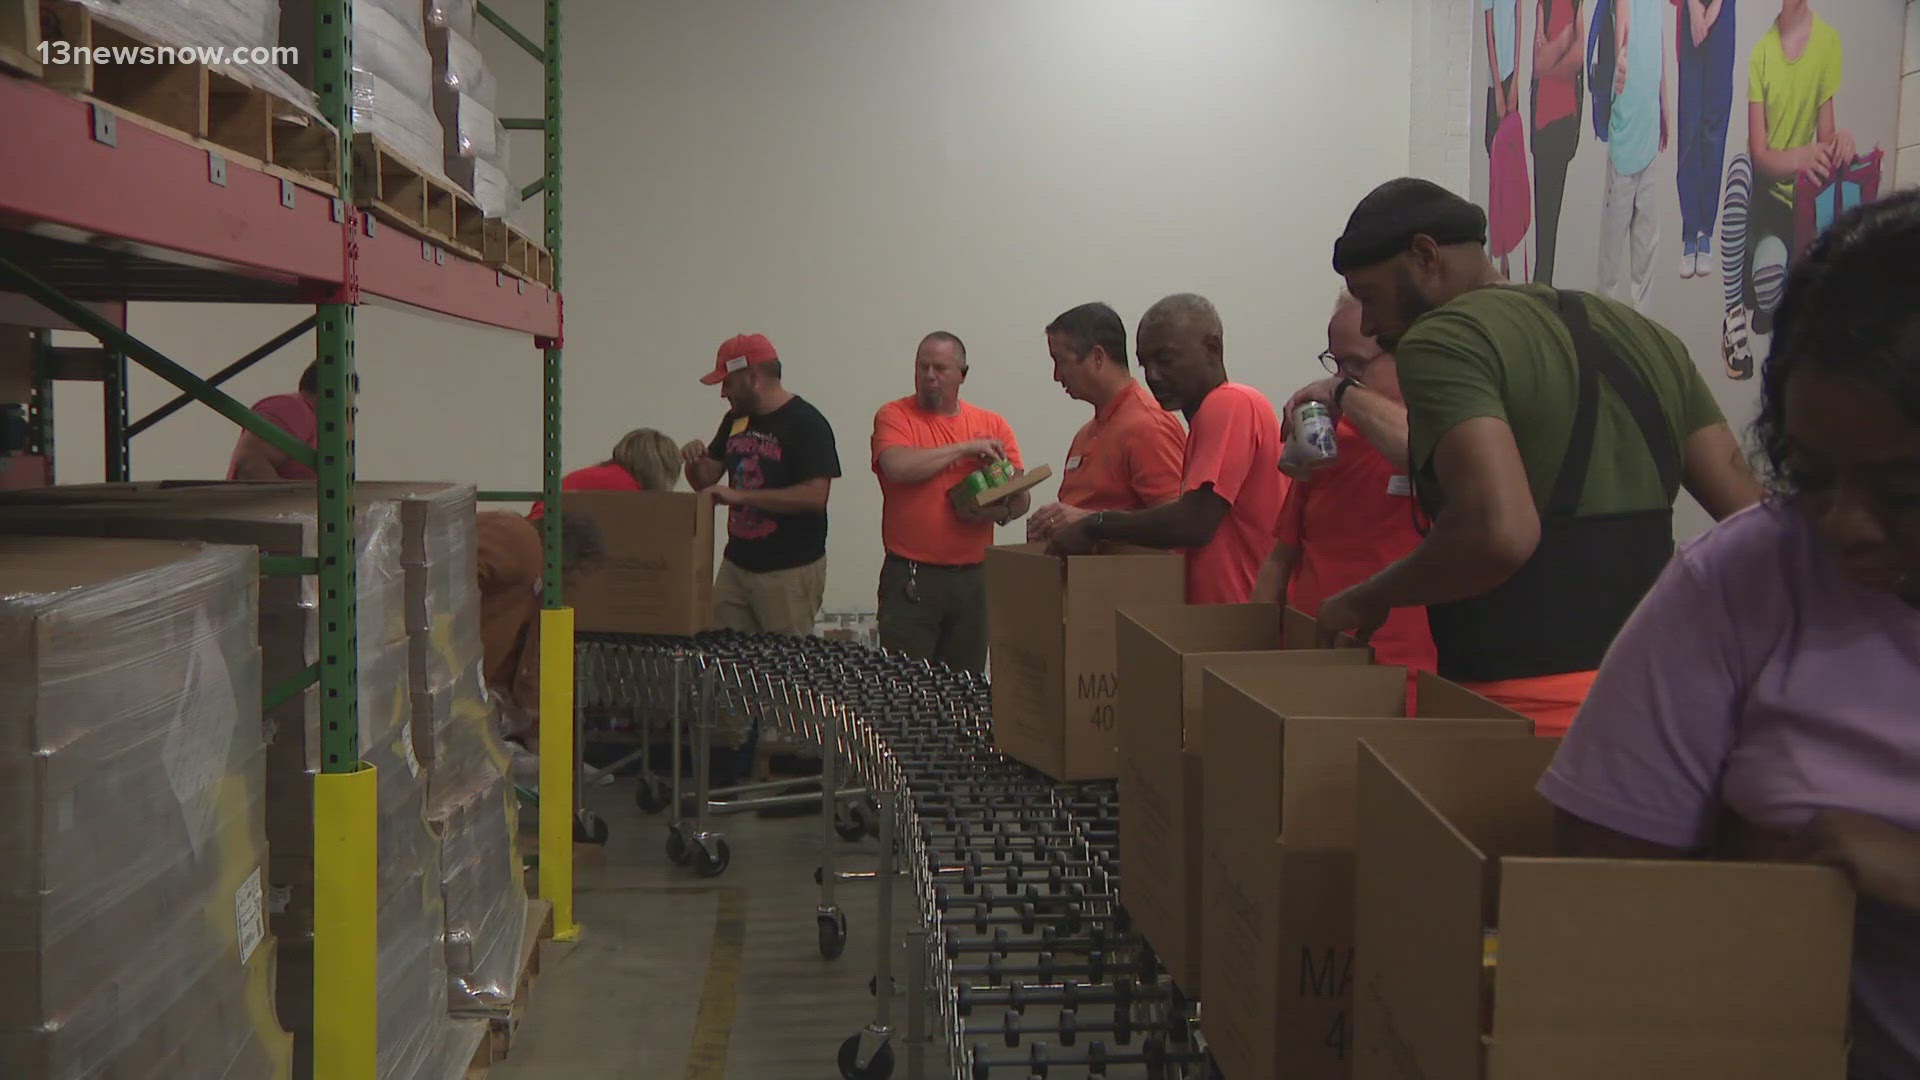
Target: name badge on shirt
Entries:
(1073, 462)
(739, 425)
(1400, 486)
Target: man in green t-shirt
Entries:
(1548, 434)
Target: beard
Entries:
(929, 399)
(1410, 306)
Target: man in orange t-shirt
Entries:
(1129, 456)
(1231, 486)
(933, 593)
(1347, 520)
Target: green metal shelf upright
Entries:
(151, 192)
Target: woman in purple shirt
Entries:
(1764, 701)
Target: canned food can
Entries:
(978, 482)
(1314, 423)
(1002, 471)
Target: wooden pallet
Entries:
(187, 101)
(507, 248)
(20, 36)
(502, 1029)
(409, 197)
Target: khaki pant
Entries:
(773, 602)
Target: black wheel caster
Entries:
(833, 935)
(854, 825)
(650, 794)
(679, 852)
(712, 862)
(879, 1068)
(589, 828)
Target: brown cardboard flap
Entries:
(1755, 1055)
(1189, 628)
(1593, 947)
(1026, 613)
(1318, 786)
(1417, 931)
(1315, 671)
(1438, 697)
(1482, 787)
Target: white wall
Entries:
(1440, 127)
(846, 175)
(1908, 165)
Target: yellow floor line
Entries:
(713, 1026)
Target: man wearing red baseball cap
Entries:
(771, 462)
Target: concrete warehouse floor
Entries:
(676, 975)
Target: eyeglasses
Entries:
(1334, 363)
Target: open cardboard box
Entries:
(1164, 652)
(1279, 807)
(1050, 632)
(657, 575)
(1483, 957)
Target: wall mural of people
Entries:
(1558, 83)
(1796, 148)
(1705, 55)
(1508, 195)
(1643, 176)
(1638, 131)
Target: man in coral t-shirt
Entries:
(933, 593)
(1129, 456)
(1231, 486)
(1352, 517)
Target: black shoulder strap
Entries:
(1598, 360)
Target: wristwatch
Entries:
(1346, 383)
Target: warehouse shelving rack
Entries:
(97, 210)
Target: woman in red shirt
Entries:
(643, 460)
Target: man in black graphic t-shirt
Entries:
(771, 462)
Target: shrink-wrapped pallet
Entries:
(133, 929)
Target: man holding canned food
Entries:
(933, 591)
(1349, 515)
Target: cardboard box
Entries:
(132, 783)
(657, 577)
(1482, 957)
(1164, 652)
(1050, 635)
(1277, 937)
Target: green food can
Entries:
(978, 481)
(1002, 471)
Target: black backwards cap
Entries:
(1387, 220)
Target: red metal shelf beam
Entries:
(151, 195)
(398, 266)
(154, 192)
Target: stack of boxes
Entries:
(415, 616)
(470, 799)
(133, 927)
(464, 99)
(392, 74)
(1356, 889)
